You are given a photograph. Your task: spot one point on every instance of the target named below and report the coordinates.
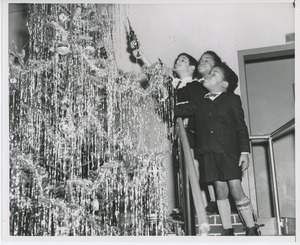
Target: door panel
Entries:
(268, 98)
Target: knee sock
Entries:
(245, 209)
(211, 192)
(225, 213)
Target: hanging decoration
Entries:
(87, 142)
(133, 41)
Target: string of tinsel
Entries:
(87, 142)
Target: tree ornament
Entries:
(89, 50)
(103, 53)
(133, 41)
(63, 17)
(66, 125)
(13, 80)
(95, 204)
(63, 48)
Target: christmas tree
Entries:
(87, 142)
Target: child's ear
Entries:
(192, 68)
(224, 84)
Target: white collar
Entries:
(213, 98)
(187, 80)
(183, 83)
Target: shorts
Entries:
(219, 166)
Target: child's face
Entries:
(206, 63)
(182, 65)
(214, 81)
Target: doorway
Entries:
(267, 90)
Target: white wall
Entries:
(166, 30)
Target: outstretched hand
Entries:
(244, 161)
(138, 54)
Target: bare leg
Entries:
(236, 189)
(222, 192)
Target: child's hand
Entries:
(244, 161)
(185, 122)
(138, 54)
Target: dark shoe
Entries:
(177, 214)
(253, 231)
(212, 208)
(228, 232)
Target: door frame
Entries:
(252, 55)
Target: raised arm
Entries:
(138, 54)
(184, 109)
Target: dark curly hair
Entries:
(215, 57)
(192, 61)
(229, 76)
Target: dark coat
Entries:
(219, 124)
(191, 92)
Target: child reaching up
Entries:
(222, 147)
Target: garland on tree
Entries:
(87, 142)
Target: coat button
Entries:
(211, 132)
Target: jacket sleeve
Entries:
(184, 109)
(241, 126)
(183, 94)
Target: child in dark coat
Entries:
(207, 61)
(222, 143)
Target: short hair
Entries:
(215, 57)
(192, 61)
(229, 76)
